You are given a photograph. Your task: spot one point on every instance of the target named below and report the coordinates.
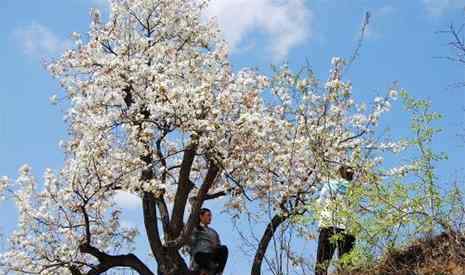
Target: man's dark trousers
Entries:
(326, 247)
(218, 257)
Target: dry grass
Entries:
(440, 255)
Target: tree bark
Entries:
(182, 191)
(264, 242)
(151, 228)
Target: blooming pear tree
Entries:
(156, 110)
(317, 130)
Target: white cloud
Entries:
(285, 23)
(127, 200)
(439, 7)
(38, 41)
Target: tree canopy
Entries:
(155, 109)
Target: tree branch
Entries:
(108, 261)
(151, 227)
(213, 171)
(183, 190)
(264, 242)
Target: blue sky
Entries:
(401, 45)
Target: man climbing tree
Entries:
(332, 227)
(209, 255)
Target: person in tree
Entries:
(208, 254)
(333, 232)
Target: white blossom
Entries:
(393, 94)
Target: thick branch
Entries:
(214, 195)
(151, 227)
(213, 171)
(264, 242)
(183, 190)
(108, 261)
(164, 214)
